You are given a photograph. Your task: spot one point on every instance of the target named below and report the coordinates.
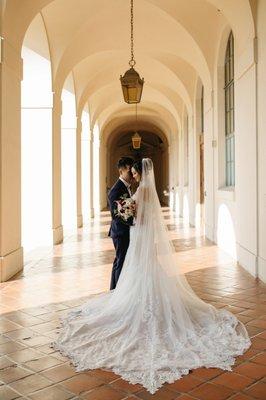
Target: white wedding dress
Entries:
(152, 328)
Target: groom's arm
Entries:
(113, 195)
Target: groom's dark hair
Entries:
(123, 162)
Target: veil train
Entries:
(152, 328)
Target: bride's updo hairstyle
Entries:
(143, 166)
(138, 167)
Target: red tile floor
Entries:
(55, 280)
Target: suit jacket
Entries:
(118, 228)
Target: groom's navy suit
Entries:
(119, 231)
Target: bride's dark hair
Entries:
(138, 166)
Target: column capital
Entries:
(11, 58)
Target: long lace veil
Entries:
(150, 234)
(151, 247)
(152, 328)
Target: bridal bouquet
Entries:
(125, 209)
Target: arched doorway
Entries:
(36, 141)
(68, 155)
(152, 146)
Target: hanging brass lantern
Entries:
(131, 82)
(136, 141)
(131, 86)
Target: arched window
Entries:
(229, 112)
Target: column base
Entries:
(80, 221)
(210, 232)
(58, 235)
(262, 269)
(247, 260)
(11, 264)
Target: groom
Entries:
(119, 231)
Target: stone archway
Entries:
(152, 146)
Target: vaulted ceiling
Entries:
(176, 44)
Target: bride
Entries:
(152, 328)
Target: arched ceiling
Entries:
(175, 45)
(118, 132)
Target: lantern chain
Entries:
(132, 61)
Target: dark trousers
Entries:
(121, 244)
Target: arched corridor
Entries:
(152, 146)
(210, 133)
(63, 126)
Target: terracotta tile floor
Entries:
(54, 280)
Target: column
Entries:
(79, 188)
(261, 117)
(210, 159)
(103, 175)
(57, 196)
(177, 146)
(91, 175)
(175, 170)
(192, 170)
(181, 169)
(166, 174)
(11, 252)
(171, 174)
